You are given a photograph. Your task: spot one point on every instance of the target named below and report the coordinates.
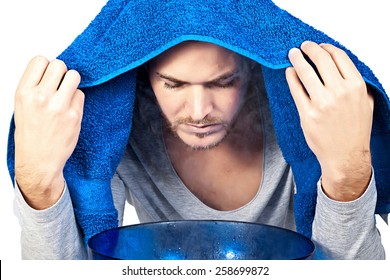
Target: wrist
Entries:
(40, 191)
(346, 185)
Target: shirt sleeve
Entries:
(347, 230)
(51, 233)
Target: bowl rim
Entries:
(166, 222)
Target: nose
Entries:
(200, 103)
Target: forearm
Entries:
(347, 230)
(51, 233)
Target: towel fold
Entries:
(126, 34)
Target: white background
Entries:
(47, 27)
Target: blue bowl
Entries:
(200, 240)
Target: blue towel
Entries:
(125, 34)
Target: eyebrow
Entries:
(220, 78)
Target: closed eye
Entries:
(173, 86)
(224, 81)
(224, 84)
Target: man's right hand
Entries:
(48, 114)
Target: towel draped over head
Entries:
(126, 34)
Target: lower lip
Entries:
(210, 129)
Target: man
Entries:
(216, 142)
(204, 144)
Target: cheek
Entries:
(230, 103)
(170, 104)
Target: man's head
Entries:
(200, 88)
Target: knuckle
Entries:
(342, 92)
(74, 115)
(310, 75)
(74, 76)
(20, 94)
(74, 73)
(25, 94)
(39, 59)
(337, 52)
(358, 85)
(323, 108)
(310, 116)
(40, 100)
(321, 55)
(316, 54)
(59, 64)
(79, 97)
(326, 107)
(350, 89)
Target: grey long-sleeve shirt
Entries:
(147, 180)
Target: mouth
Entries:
(200, 126)
(205, 129)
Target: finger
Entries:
(77, 102)
(298, 92)
(344, 64)
(69, 86)
(53, 76)
(323, 61)
(34, 72)
(371, 99)
(306, 73)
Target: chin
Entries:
(202, 142)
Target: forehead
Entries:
(195, 54)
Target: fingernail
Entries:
(305, 43)
(289, 69)
(292, 51)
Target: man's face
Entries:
(198, 87)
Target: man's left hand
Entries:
(336, 112)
